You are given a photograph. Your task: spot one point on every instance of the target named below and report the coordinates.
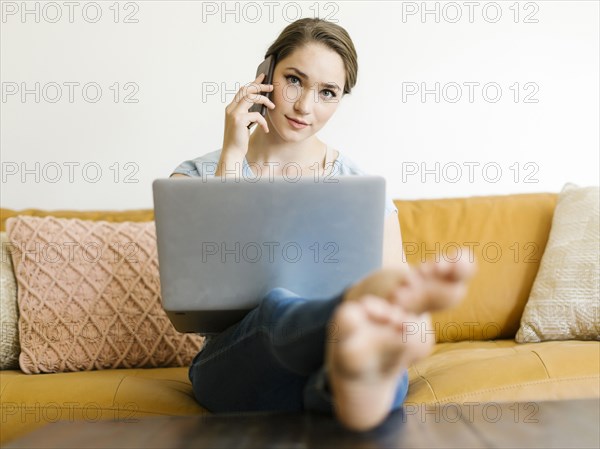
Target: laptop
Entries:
(224, 244)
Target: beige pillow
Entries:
(564, 303)
(89, 297)
(9, 335)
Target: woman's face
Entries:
(308, 85)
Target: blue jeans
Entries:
(272, 360)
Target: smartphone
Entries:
(267, 67)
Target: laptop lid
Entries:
(223, 244)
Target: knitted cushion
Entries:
(9, 336)
(89, 297)
(564, 303)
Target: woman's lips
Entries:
(295, 124)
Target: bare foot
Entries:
(371, 347)
(405, 286)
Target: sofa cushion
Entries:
(506, 371)
(89, 297)
(9, 333)
(508, 234)
(462, 372)
(564, 303)
(113, 216)
(29, 402)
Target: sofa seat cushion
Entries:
(467, 371)
(30, 401)
(506, 371)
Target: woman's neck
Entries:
(264, 148)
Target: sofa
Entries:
(475, 359)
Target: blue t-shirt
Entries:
(206, 165)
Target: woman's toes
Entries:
(410, 294)
(346, 319)
(377, 308)
(461, 269)
(365, 363)
(398, 318)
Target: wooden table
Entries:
(559, 424)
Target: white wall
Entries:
(172, 53)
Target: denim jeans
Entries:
(273, 359)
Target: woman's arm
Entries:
(393, 253)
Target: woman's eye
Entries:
(331, 95)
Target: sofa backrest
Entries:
(137, 215)
(508, 234)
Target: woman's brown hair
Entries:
(308, 30)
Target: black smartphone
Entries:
(267, 67)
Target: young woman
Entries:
(351, 353)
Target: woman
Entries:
(351, 355)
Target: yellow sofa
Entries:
(476, 358)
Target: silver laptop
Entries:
(222, 245)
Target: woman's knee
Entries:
(272, 306)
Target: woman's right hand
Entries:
(238, 117)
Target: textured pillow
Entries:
(564, 303)
(9, 336)
(89, 297)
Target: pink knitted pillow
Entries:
(89, 297)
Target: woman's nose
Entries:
(301, 105)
